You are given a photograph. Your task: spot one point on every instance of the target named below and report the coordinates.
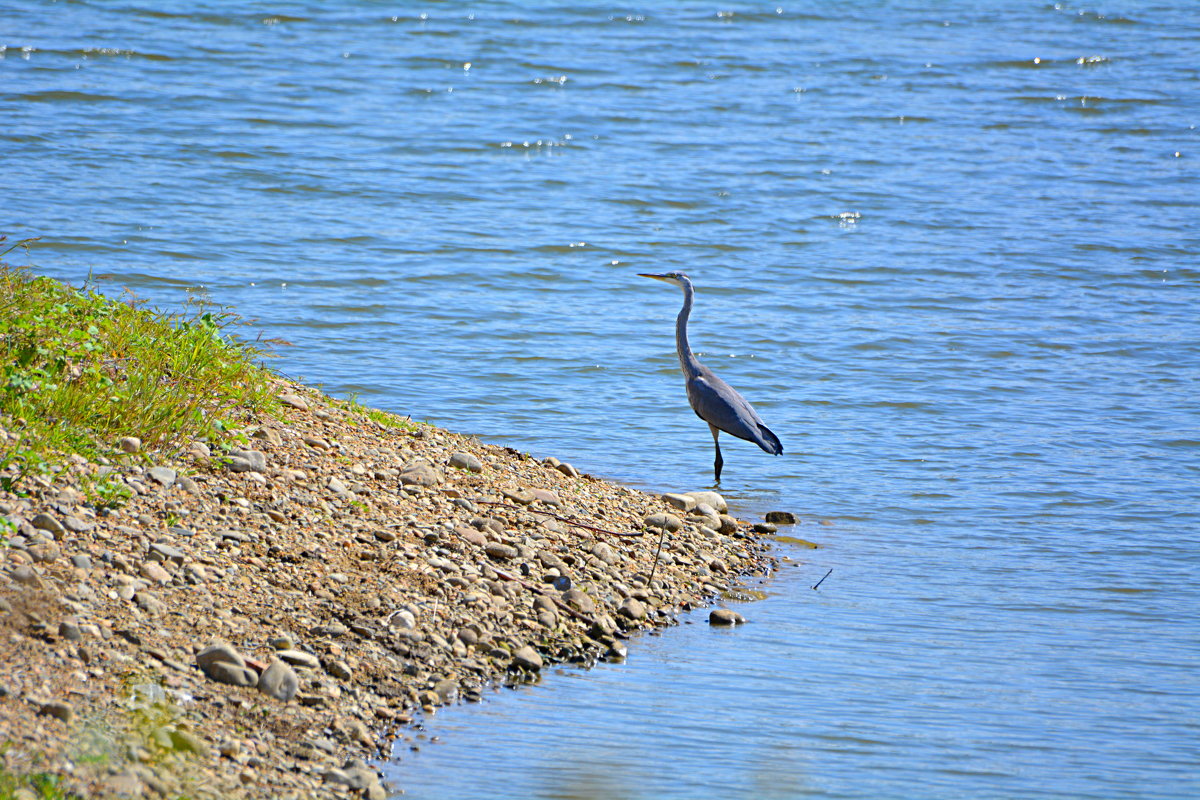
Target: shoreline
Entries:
(265, 621)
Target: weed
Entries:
(79, 370)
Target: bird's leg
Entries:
(719, 462)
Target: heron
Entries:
(714, 400)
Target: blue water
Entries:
(949, 251)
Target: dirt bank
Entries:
(263, 621)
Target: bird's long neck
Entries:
(687, 362)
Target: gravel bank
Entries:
(264, 622)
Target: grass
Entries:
(79, 371)
(40, 785)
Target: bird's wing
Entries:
(719, 404)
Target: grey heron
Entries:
(714, 400)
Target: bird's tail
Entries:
(770, 442)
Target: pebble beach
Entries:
(272, 618)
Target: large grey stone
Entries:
(632, 608)
(294, 400)
(247, 461)
(232, 674)
(466, 461)
(725, 617)
(162, 475)
(658, 521)
(165, 552)
(279, 681)
(218, 653)
(527, 658)
(299, 658)
(48, 523)
(711, 498)
(579, 600)
(682, 502)
(420, 473)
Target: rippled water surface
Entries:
(949, 251)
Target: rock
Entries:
(165, 552)
(81, 561)
(152, 570)
(27, 576)
(765, 527)
(446, 690)
(728, 525)
(299, 658)
(45, 522)
(247, 461)
(58, 710)
(269, 435)
(216, 653)
(724, 617)
(781, 518)
(279, 680)
(403, 619)
(711, 498)
(486, 524)
(150, 604)
(281, 642)
(162, 475)
(419, 473)
(632, 608)
(337, 776)
(188, 742)
(579, 600)
(500, 552)
(45, 553)
(466, 461)
(340, 670)
(76, 525)
(294, 401)
(130, 444)
(682, 502)
(656, 522)
(385, 535)
(520, 497)
(356, 731)
(527, 658)
(604, 552)
(70, 631)
(546, 497)
(568, 470)
(471, 535)
(123, 784)
(232, 674)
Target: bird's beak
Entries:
(652, 275)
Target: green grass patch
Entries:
(385, 418)
(41, 785)
(79, 371)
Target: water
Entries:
(950, 253)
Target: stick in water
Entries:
(818, 583)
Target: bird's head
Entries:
(676, 278)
